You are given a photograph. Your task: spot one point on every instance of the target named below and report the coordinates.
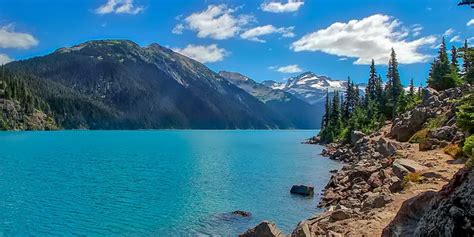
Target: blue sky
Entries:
(263, 39)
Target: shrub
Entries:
(414, 177)
(453, 150)
(468, 146)
(419, 136)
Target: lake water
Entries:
(155, 183)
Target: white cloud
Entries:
(343, 59)
(217, 22)
(178, 29)
(254, 33)
(11, 39)
(4, 59)
(470, 23)
(203, 54)
(119, 6)
(456, 38)
(366, 39)
(449, 32)
(290, 69)
(278, 7)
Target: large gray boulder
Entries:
(385, 148)
(264, 229)
(356, 136)
(410, 122)
(410, 165)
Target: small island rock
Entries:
(302, 190)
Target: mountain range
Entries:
(299, 112)
(117, 84)
(310, 87)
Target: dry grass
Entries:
(414, 177)
(453, 150)
(419, 136)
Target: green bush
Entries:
(468, 146)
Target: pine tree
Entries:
(335, 114)
(371, 90)
(465, 59)
(379, 88)
(441, 76)
(454, 60)
(394, 88)
(327, 111)
(347, 102)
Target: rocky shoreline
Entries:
(384, 169)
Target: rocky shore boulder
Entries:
(356, 136)
(302, 190)
(449, 212)
(264, 229)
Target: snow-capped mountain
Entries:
(308, 86)
(300, 113)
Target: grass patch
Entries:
(453, 150)
(419, 136)
(437, 122)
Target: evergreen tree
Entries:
(441, 75)
(454, 60)
(327, 111)
(335, 114)
(465, 59)
(394, 88)
(347, 102)
(371, 90)
(411, 92)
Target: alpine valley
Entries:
(117, 84)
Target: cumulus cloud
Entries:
(216, 22)
(204, 54)
(366, 39)
(278, 7)
(254, 33)
(11, 39)
(4, 59)
(470, 23)
(119, 7)
(294, 68)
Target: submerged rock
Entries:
(241, 213)
(302, 190)
(264, 229)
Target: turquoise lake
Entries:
(155, 183)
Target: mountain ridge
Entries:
(147, 87)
